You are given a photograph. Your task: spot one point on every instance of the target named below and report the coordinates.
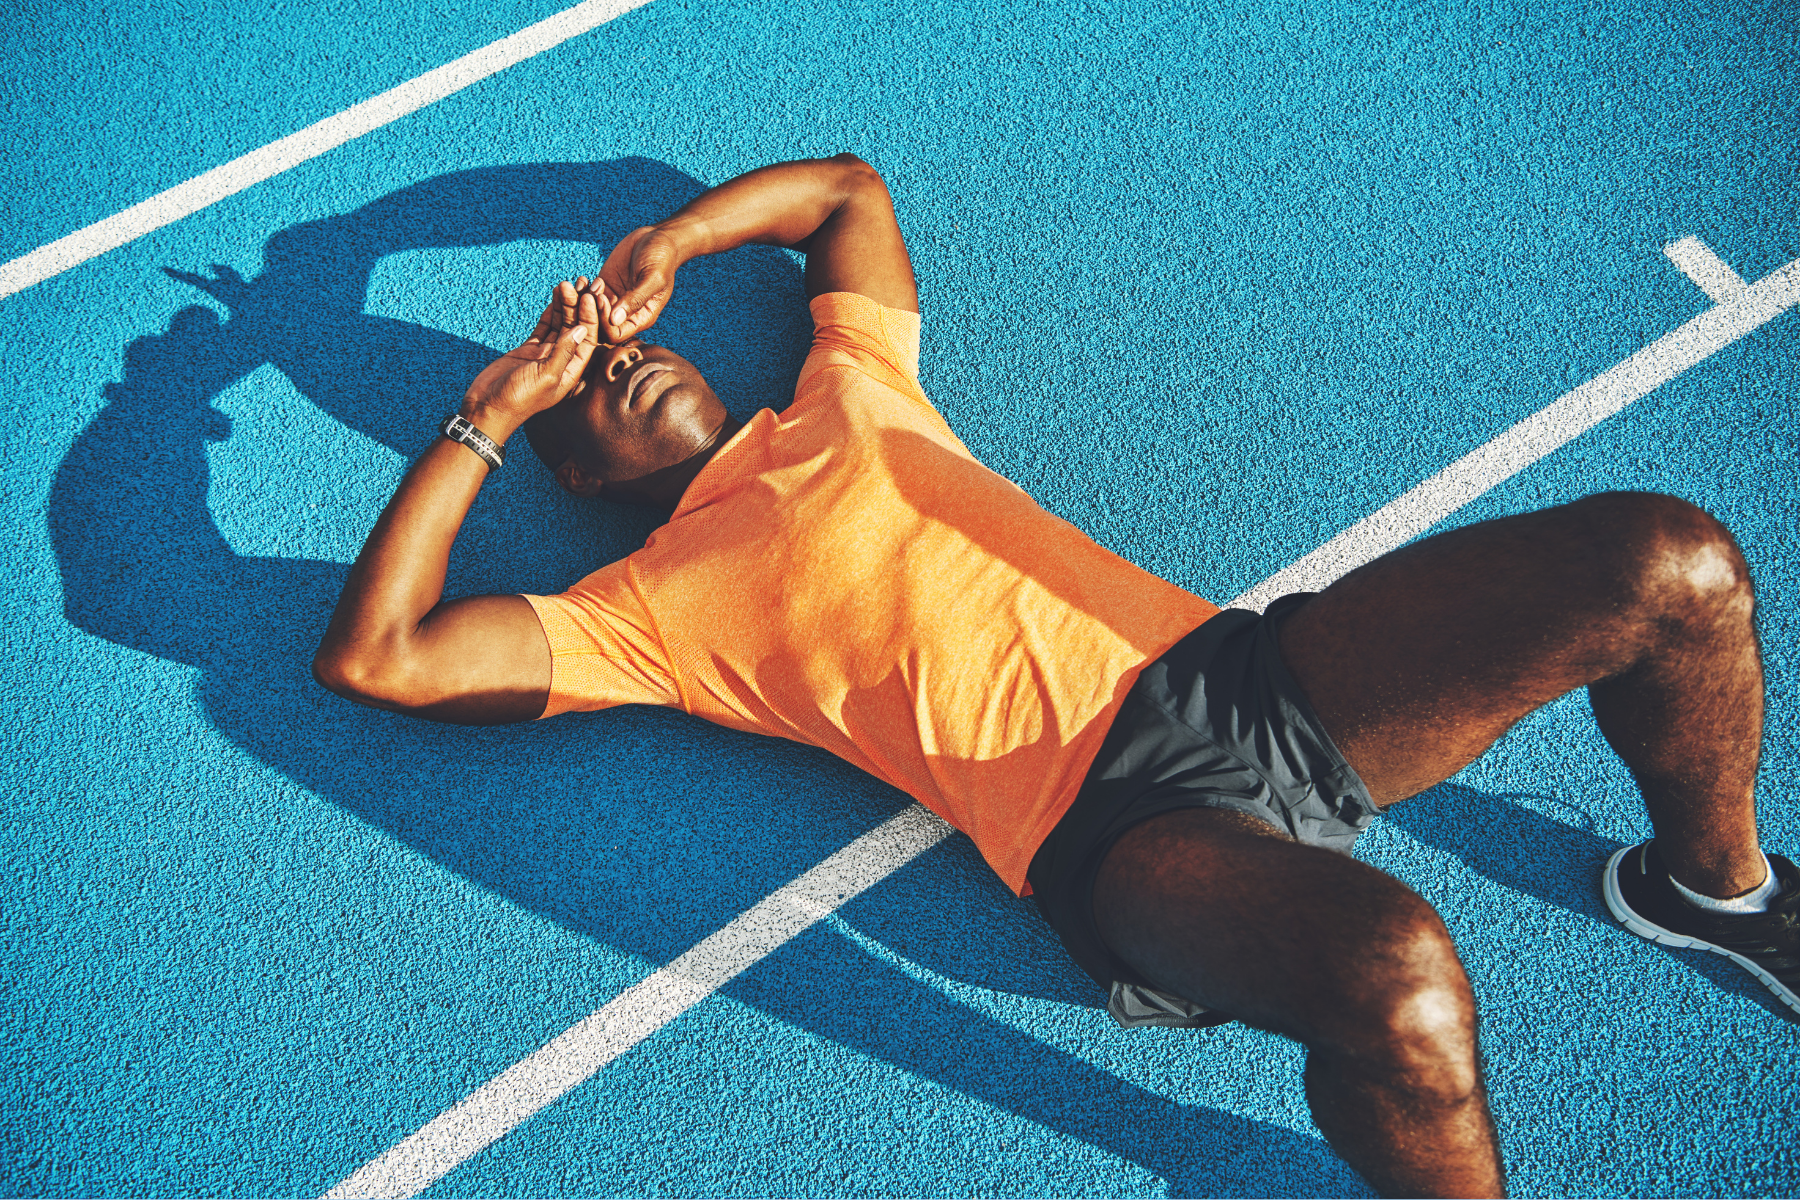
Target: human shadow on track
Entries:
(1508, 840)
(639, 828)
(843, 991)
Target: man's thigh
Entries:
(1221, 909)
(1418, 661)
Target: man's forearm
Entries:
(836, 211)
(779, 205)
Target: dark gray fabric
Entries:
(1132, 1005)
(1217, 722)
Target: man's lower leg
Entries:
(1423, 1131)
(1686, 717)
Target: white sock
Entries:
(1754, 901)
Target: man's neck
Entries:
(664, 488)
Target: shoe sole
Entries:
(1650, 930)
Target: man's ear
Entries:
(576, 481)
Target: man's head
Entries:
(640, 413)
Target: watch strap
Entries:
(459, 428)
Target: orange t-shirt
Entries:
(845, 574)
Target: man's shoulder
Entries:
(851, 330)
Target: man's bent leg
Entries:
(1217, 907)
(1418, 661)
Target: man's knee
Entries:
(1664, 559)
(1399, 1005)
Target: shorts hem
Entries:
(1196, 732)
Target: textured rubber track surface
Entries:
(1214, 282)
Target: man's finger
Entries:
(626, 310)
(639, 321)
(639, 303)
(576, 345)
(566, 293)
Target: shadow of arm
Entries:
(142, 562)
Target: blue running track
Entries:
(1213, 281)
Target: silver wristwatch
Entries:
(458, 428)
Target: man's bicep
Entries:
(859, 249)
(480, 660)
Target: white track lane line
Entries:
(524, 1089)
(518, 1093)
(1565, 419)
(185, 198)
(1721, 284)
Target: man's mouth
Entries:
(638, 378)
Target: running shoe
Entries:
(1766, 944)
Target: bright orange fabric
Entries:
(845, 574)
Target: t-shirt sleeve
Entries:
(854, 331)
(604, 646)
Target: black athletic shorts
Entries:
(1217, 722)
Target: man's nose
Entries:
(621, 358)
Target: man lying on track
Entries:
(1177, 787)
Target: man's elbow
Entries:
(358, 677)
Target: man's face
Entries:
(640, 408)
